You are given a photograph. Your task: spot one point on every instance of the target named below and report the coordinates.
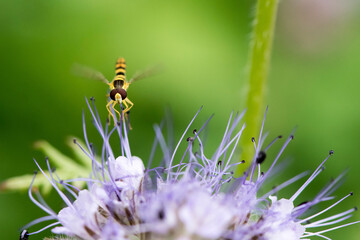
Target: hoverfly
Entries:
(118, 86)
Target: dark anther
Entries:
(190, 139)
(92, 99)
(122, 108)
(118, 123)
(262, 173)
(128, 112)
(194, 131)
(24, 235)
(304, 202)
(260, 157)
(242, 161)
(46, 159)
(53, 169)
(161, 214)
(219, 163)
(107, 121)
(292, 137)
(91, 145)
(74, 140)
(280, 136)
(351, 194)
(355, 208)
(232, 172)
(253, 139)
(331, 152)
(36, 172)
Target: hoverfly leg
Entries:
(109, 110)
(113, 106)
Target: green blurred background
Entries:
(313, 82)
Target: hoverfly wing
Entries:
(146, 73)
(87, 72)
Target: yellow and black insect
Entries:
(118, 86)
(118, 89)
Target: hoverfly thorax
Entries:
(118, 83)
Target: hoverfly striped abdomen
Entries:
(120, 68)
(120, 71)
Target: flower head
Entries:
(188, 196)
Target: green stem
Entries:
(258, 63)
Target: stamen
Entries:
(48, 226)
(44, 208)
(311, 178)
(228, 134)
(38, 220)
(273, 141)
(334, 216)
(98, 127)
(285, 184)
(82, 149)
(62, 195)
(85, 135)
(24, 235)
(330, 188)
(182, 137)
(182, 159)
(204, 160)
(232, 140)
(331, 229)
(153, 148)
(234, 147)
(254, 142)
(41, 199)
(318, 235)
(262, 127)
(126, 140)
(275, 161)
(326, 209)
(96, 112)
(328, 223)
(260, 157)
(224, 137)
(162, 142)
(65, 185)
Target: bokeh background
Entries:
(313, 83)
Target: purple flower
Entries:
(188, 196)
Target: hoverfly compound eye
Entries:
(120, 91)
(113, 93)
(123, 93)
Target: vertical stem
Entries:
(258, 64)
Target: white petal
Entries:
(127, 173)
